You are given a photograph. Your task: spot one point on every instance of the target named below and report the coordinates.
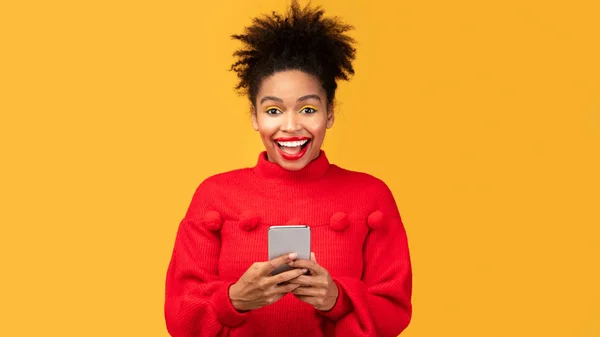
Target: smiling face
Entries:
(291, 114)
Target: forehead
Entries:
(290, 85)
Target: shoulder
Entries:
(222, 179)
(216, 187)
(372, 190)
(371, 195)
(362, 180)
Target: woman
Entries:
(359, 282)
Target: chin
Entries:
(291, 165)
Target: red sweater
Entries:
(357, 235)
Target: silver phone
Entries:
(288, 239)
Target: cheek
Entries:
(318, 130)
(267, 128)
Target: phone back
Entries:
(288, 239)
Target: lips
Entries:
(292, 148)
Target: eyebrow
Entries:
(304, 98)
(277, 99)
(271, 98)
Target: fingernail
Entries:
(304, 271)
(292, 256)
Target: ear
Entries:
(330, 116)
(254, 118)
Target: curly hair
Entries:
(302, 40)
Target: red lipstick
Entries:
(295, 156)
(290, 139)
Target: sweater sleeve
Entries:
(197, 301)
(379, 304)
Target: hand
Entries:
(317, 289)
(257, 288)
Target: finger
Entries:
(307, 264)
(284, 289)
(286, 276)
(273, 299)
(306, 281)
(308, 291)
(312, 257)
(278, 261)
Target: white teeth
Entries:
(293, 144)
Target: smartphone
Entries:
(288, 239)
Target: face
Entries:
(291, 114)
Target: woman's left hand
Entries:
(317, 289)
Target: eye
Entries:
(273, 111)
(308, 110)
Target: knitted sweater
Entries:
(356, 233)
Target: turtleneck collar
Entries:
(316, 169)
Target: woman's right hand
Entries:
(258, 288)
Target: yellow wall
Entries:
(483, 118)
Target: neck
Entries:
(315, 169)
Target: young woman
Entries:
(219, 281)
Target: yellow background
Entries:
(482, 116)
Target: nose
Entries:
(291, 122)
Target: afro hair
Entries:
(302, 40)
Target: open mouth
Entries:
(292, 148)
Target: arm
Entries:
(380, 303)
(197, 301)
